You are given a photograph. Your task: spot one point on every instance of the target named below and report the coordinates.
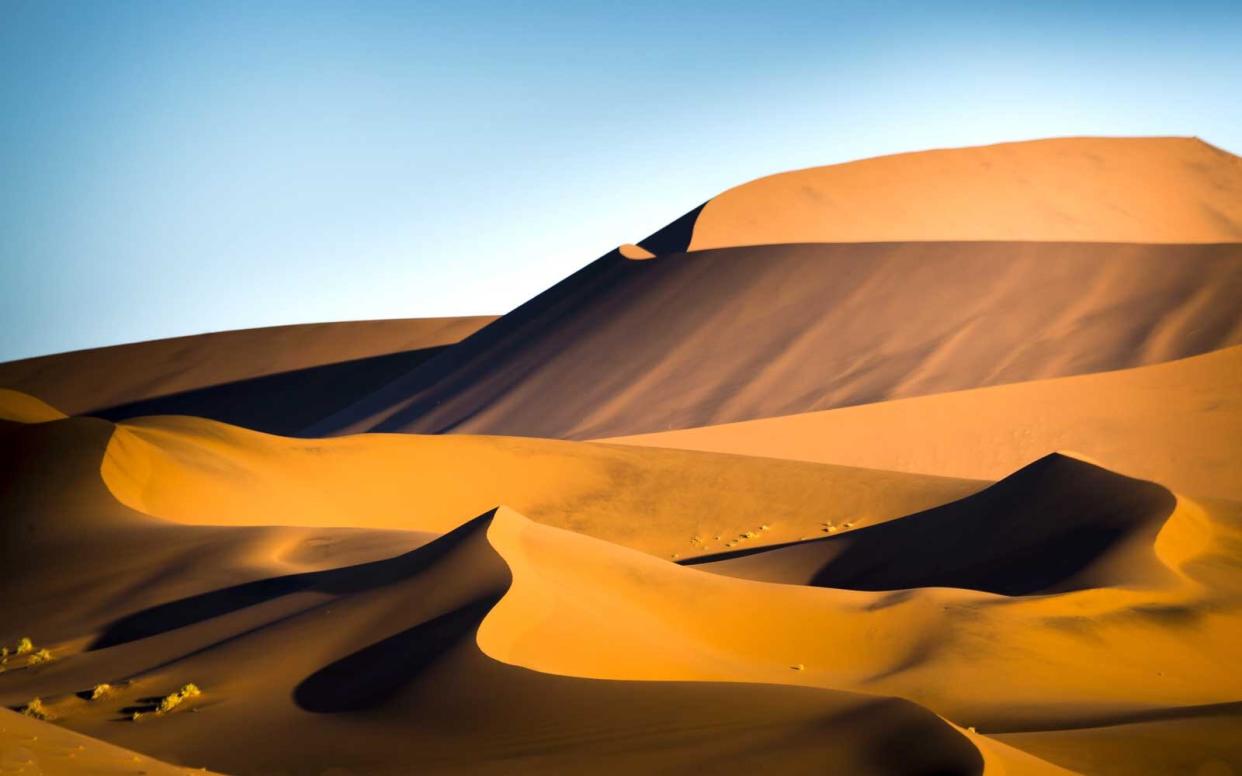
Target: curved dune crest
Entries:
(661, 501)
(18, 407)
(1178, 423)
(581, 607)
(1100, 189)
(635, 252)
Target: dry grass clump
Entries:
(36, 709)
(101, 691)
(173, 700)
(24, 647)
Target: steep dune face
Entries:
(668, 503)
(1178, 423)
(733, 334)
(277, 378)
(1143, 190)
(1058, 524)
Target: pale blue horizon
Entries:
(176, 168)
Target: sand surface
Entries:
(1143, 190)
(918, 465)
(276, 379)
(415, 648)
(1179, 423)
(683, 340)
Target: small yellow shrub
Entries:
(36, 709)
(101, 691)
(173, 700)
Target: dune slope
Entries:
(511, 646)
(277, 379)
(386, 674)
(1058, 524)
(685, 340)
(1179, 423)
(668, 503)
(1141, 189)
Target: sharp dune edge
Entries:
(920, 464)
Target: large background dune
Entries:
(685, 340)
(1141, 190)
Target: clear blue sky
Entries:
(170, 168)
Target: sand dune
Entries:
(1143, 190)
(1179, 423)
(386, 671)
(247, 376)
(668, 503)
(386, 660)
(31, 746)
(179, 592)
(624, 347)
(17, 407)
(1058, 524)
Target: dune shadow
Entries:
(283, 403)
(1043, 529)
(676, 236)
(346, 580)
(1039, 530)
(376, 673)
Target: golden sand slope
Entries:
(1179, 423)
(87, 381)
(625, 347)
(387, 669)
(369, 666)
(30, 746)
(1156, 189)
(668, 503)
(17, 407)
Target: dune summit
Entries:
(920, 464)
(1077, 189)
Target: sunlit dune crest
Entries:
(1077, 189)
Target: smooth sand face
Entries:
(29, 745)
(1178, 423)
(710, 337)
(668, 503)
(1146, 190)
(88, 381)
(18, 407)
